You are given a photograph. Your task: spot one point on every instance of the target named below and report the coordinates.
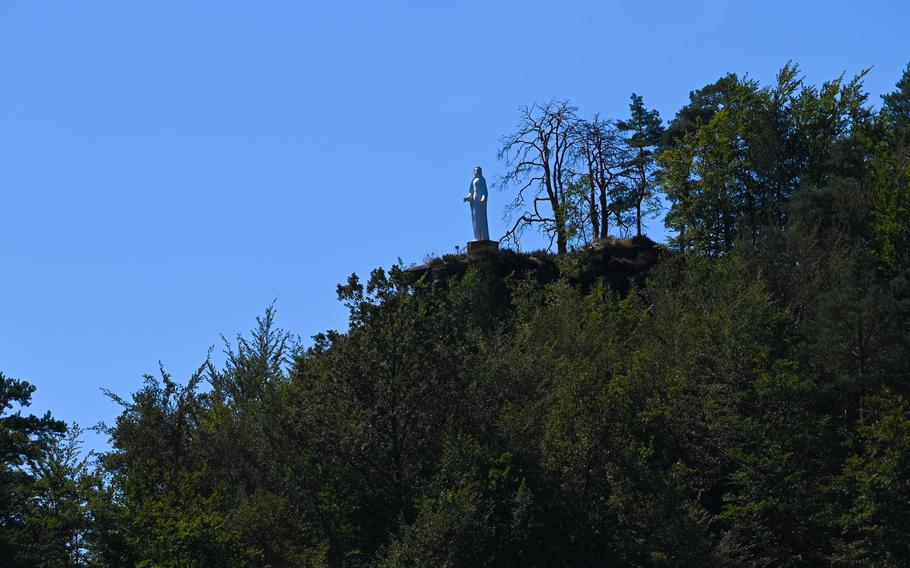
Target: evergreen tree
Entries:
(896, 108)
(23, 438)
(644, 130)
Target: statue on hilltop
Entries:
(477, 198)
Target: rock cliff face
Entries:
(615, 262)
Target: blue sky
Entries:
(169, 168)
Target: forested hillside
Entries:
(737, 397)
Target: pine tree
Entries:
(645, 131)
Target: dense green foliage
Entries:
(738, 398)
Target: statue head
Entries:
(478, 172)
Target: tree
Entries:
(874, 479)
(538, 154)
(22, 441)
(738, 152)
(603, 159)
(896, 108)
(59, 517)
(645, 131)
(703, 171)
(163, 485)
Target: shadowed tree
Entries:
(22, 441)
(896, 108)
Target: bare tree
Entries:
(538, 156)
(604, 157)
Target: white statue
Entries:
(477, 197)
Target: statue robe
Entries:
(477, 197)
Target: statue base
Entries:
(477, 246)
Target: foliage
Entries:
(25, 494)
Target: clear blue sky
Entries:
(169, 168)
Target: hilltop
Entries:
(613, 261)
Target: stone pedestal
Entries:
(478, 246)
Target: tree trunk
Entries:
(561, 240)
(595, 225)
(638, 219)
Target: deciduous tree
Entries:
(538, 156)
